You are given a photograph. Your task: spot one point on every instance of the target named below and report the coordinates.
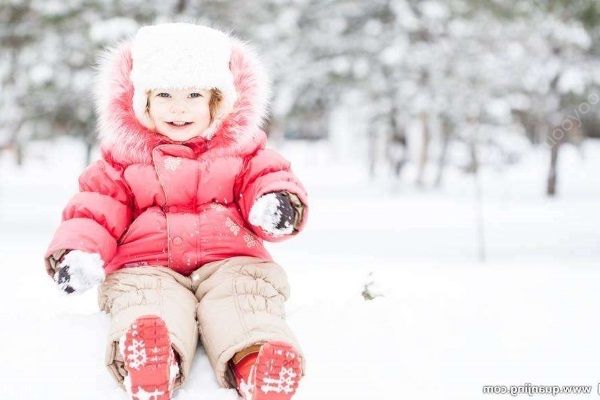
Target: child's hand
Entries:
(78, 271)
(274, 213)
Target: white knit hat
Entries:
(180, 55)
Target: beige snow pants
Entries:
(231, 304)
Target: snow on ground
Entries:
(445, 326)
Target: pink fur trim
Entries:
(123, 139)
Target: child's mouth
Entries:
(178, 124)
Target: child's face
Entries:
(180, 114)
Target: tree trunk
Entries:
(17, 145)
(181, 6)
(553, 170)
(275, 131)
(474, 168)
(443, 153)
(89, 146)
(481, 251)
(19, 153)
(424, 150)
(397, 145)
(372, 156)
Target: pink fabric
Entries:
(153, 202)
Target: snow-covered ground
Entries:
(445, 326)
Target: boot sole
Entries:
(278, 372)
(146, 353)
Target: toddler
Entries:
(171, 220)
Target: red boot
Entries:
(272, 373)
(149, 359)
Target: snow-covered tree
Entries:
(407, 79)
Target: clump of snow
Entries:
(571, 81)
(373, 288)
(266, 214)
(435, 10)
(85, 269)
(112, 30)
(41, 74)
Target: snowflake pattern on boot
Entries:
(275, 374)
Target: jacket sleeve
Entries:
(265, 172)
(96, 217)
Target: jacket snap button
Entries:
(173, 209)
(177, 241)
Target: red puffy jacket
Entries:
(149, 201)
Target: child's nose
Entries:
(178, 108)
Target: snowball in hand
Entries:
(268, 212)
(79, 271)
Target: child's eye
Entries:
(163, 94)
(195, 94)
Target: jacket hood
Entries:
(124, 140)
